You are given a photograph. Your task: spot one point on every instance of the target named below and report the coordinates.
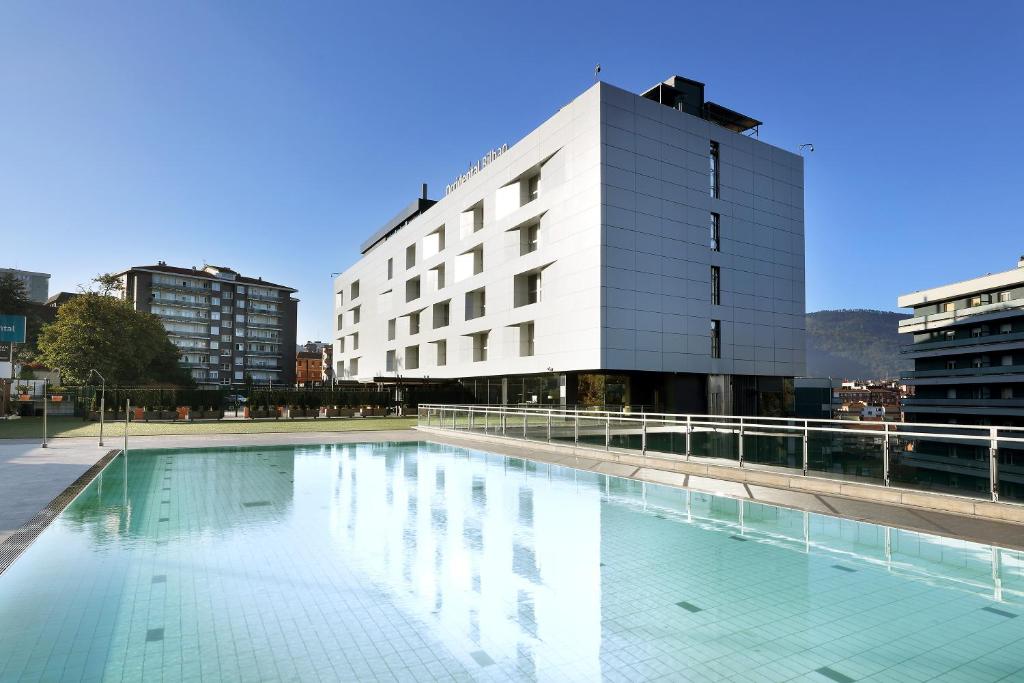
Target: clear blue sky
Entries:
(275, 137)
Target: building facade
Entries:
(37, 285)
(309, 363)
(230, 329)
(968, 353)
(633, 249)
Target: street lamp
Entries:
(103, 396)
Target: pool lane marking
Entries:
(838, 677)
(1000, 612)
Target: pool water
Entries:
(416, 561)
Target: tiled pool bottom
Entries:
(425, 562)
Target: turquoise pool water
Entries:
(410, 561)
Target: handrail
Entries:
(879, 434)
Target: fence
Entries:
(980, 461)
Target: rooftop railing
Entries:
(891, 454)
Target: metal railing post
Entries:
(885, 456)
(504, 420)
(807, 432)
(643, 436)
(526, 419)
(549, 426)
(993, 462)
(741, 442)
(608, 432)
(689, 430)
(471, 414)
(46, 384)
(576, 428)
(127, 412)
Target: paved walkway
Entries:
(30, 477)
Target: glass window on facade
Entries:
(714, 169)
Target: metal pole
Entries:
(576, 428)
(689, 428)
(46, 385)
(127, 411)
(549, 426)
(526, 418)
(885, 456)
(608, 432)
(741, 442)
(103, 406)
(643, 436)
(993, 462)
(805, 449)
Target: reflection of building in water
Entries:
(506, 563)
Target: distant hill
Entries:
(855, 344)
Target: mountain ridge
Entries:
(855, 343)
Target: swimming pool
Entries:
(417, 561)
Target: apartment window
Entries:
(355, 341)
(241, 303)
(716, 232)
(412, 289)
(215, 315)
(716, 338)
(480, 346)
(441, 314)
(341, 320)
(341, 345)
(947, 307)
(412, 357)
(434, 243)
(238, 374)
(225, 352)
(225, 338)
(227, 324)
(353, 290)
(216, 286)
(414, 323)
(438, 273)
(469, 263)
(215, 344)
(471, 220)
(215, 301)
(238, 360)
(339, 299)
(714, 169)
(526, 288)
(226, 309)
(979, 300)
(1006, 360)
(529, 239)
(1006, 328)
(391, 329)
(442, 352)
(476, 303)
(951, 364)
(227, 294)
(240, 289)
(356, 314)
(947, 335)
(526, 339)
(353, 366)
(1005, 296)
(532, 187)
(391, 268)
(716, 285)
(225, 366)
(239, 318)
(391, 361)
(225, 381)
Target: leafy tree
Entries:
(106, 333)
(107, 284)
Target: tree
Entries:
(108, 283)
(102, 332)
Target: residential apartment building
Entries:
(230, 329)
(309, 363)
(968, 352)
(633, 249)
(37, 285)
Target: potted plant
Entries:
(23, 392)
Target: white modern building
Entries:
(633, 249)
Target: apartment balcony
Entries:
(179, 304)
(269, 368)
(962, 316)
(263, 353)
(1003, 373)
(182, 288)
(1016, 339)
(263, 326)
(264, 297)
(184, 318)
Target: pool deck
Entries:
(31, 477)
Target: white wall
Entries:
(624, 247)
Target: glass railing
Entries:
(966, 460)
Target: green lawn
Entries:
(32, 427)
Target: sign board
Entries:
(12, 328)
(5, 351)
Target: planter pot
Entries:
(56, 398)
(246, 412)
(24, 397)
(183, 412)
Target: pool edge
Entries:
(18, 542)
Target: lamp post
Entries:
(103, 396)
